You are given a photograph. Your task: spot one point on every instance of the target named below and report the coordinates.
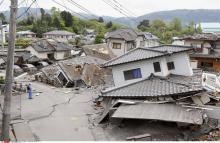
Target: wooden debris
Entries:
(134, 138)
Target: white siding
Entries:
(59, 55)
(117, 52)
(181, 63)
(146, 69)
(39, 55)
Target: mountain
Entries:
(198, 15)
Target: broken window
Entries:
(132, 74)
(157, 67)
(116, 45)
(170, 66)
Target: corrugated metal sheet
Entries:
(163, 112)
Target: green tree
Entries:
(176, 25)
(42, 11)
(144, 25)
(67, 17)
(199, 29)
(2, 17)
(108, 25)
(99, 38)
(101, 20)
(57, 23)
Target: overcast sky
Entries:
(139, 7)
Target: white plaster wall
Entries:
(181, 63)
(59, 55)
(146, 69)
(151, 43)
(39, 55)
(138, 41)
(117, 52)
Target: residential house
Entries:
(26, 34)
(50, 49)
(140, 63)
(3, 33)
(126, 39)
(210, 27)
(207, 50)
(60, 35)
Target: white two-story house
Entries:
(60, 35)
(123, 40)
(140, 63)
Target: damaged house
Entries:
(206, 53)
(152, 84)
(50, 49)
(76, 72)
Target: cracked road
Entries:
(56, 114)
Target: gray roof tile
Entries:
(146, 53)
(157, 86)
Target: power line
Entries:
(126, 9)
(26, 10)
(82, 8)
(119, 10)
(70, 9)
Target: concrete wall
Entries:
(181, 63)
(34, 52)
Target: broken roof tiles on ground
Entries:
(99, 50)
(147, 53)
(163, 112)
(157, 86)
(49, 45)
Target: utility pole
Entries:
(2, 35)
(9, 72)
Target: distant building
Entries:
(50, 49)
(4, 34)
(206, 50)
(178, 41)
(26, 34)
(60, 35)
(211, 27)
(126, 39)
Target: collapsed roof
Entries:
(155, 86)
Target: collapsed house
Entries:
(75, 72)
(158, 83)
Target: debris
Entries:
(135, 138)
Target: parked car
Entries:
(17, 70)
(29, 68)
(42, 64)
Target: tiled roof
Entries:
(148, 35)
(127, 34)
(45, 45)
(203, 36)
(59, 32)
(146, 53)
(157, 86)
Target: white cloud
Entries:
(139, 7)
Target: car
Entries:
(18, 70)
(29, 68)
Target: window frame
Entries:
(130, 74)
(170, 66)
(115, 45)
(157, 69)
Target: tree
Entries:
(67, 17)
(2, 17)
(99, 38)
(101, 20)
(108, 25)
(42, 11)
(199, 29)
(144, 25)
(57, 23)
(176, 24)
